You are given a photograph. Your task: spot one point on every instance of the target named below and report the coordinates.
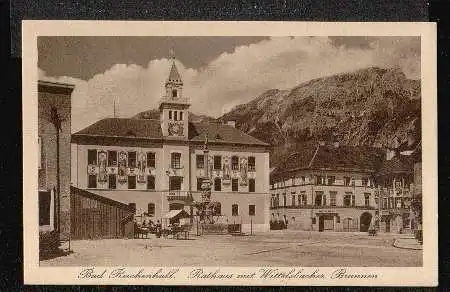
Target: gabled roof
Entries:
(330, 157)
(151, 130)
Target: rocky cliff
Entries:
(372, 107)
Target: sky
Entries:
(219, 73)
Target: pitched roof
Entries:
(220, 133)
(91, 195)
(120, 127)
(330, 157)
(151, 129)
(174, 75)
(398, 164)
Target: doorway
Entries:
(388, 224)
(321, 223)
(364, 222)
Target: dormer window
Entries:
(174, 93)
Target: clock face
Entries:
(176, 129)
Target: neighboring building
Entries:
(326, 187)
(157, 165)
(54, 110)
(416, 223)
(94, 216)
(395, 184)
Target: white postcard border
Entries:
(401, 276)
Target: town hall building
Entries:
(157, 165)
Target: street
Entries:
(274, 248)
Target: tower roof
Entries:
(174, 76)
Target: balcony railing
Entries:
(179, 196)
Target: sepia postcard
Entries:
(229, 153)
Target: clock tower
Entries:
(174, 106)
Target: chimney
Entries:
(232, 124)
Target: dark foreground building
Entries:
(54, 110)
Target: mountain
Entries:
(370, 107)
(154, 114)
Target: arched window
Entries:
(174, 93)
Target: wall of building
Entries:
(309, 188)
(80, 166)
(142, 197)
(47, 179)
(301, 219)
(261, 173)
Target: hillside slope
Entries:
(370, 107)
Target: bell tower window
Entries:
(174, 93)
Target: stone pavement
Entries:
(407, 242)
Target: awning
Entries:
(176, 213)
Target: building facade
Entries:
(54, 110)
(157, 165)
(347, 188)
(326, 187)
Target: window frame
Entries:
(251, 166)
(333, 198)
(110, 157)
(130, 180)
(366, 199)
(200, 158)
(234, 210)
(94, 177)
(234, 162)
(235, 185)
(217, 186)
(215, 159)
(151, 214)
(149, 179)
(130, 160)
(149, 159)
(175, 160)
(90, 152)
(251, 185)
(251, 207)
(347, 196)
(110, 180)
